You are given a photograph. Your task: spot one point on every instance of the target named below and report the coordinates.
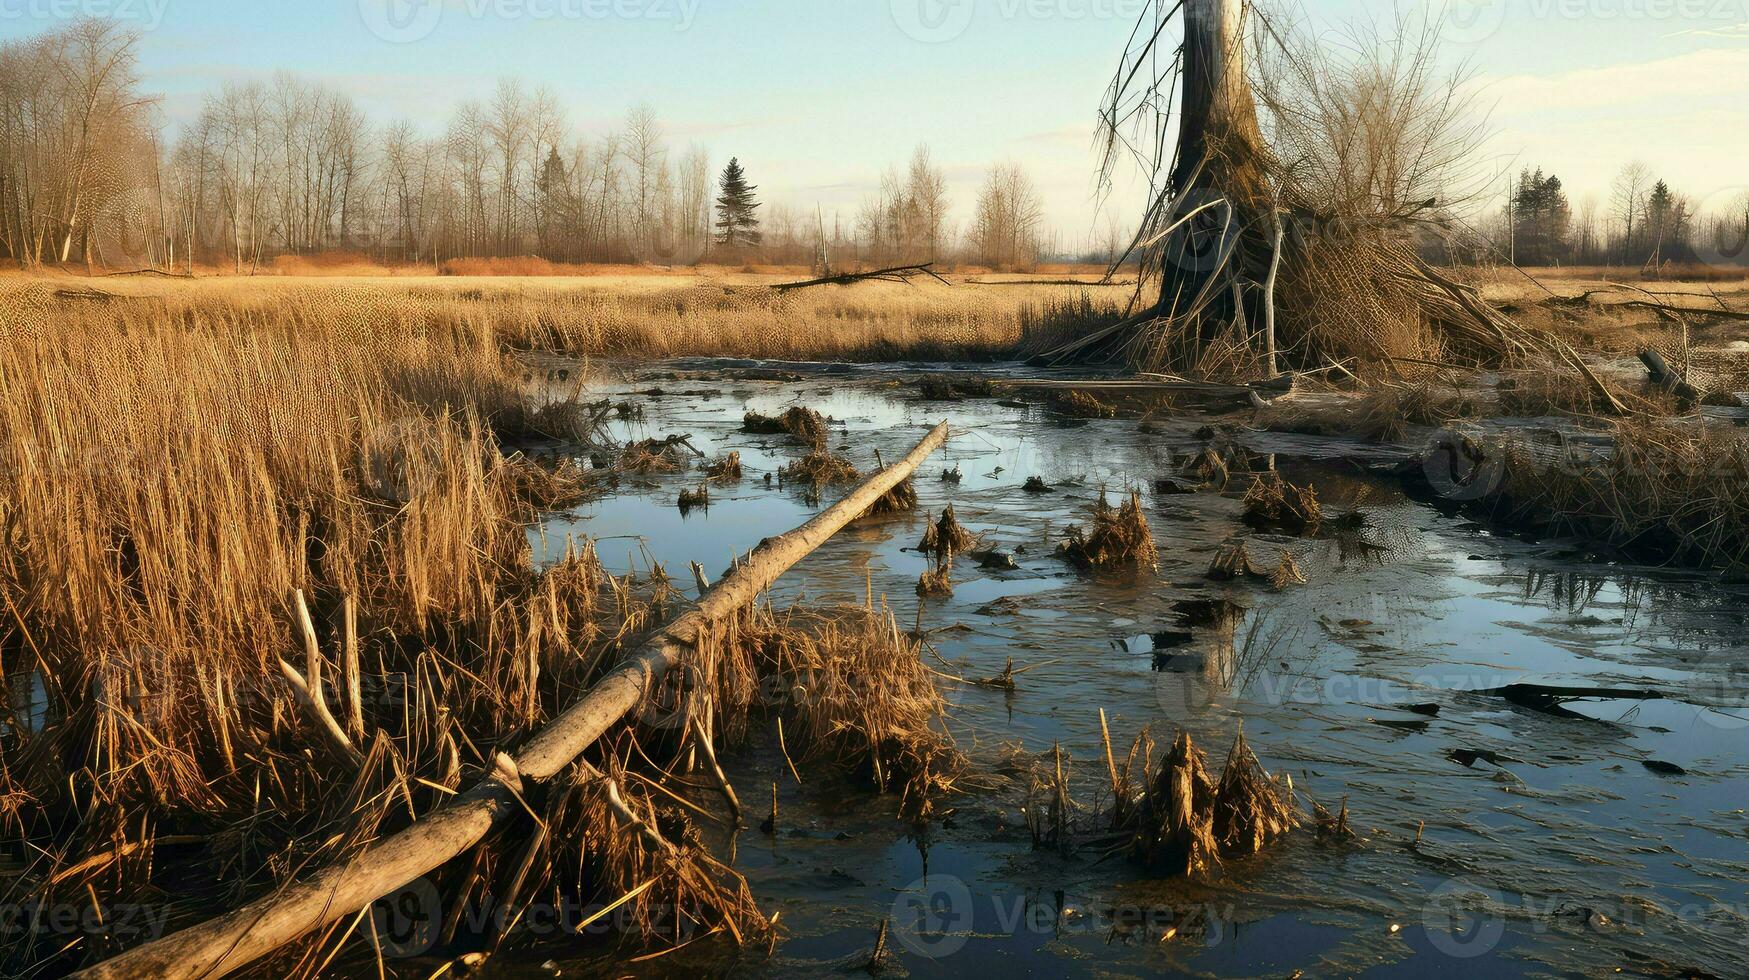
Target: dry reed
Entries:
(174, 482)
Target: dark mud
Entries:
(1611, 836)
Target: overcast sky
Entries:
(817, 96)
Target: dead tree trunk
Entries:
(1213, 261)
(1220, 147)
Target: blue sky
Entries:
(817, 96)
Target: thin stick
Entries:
(1110, 761)
(785, 750)
(351, 673)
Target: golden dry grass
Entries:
(175, 479)
(644, 315)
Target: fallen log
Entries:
(1659, 372)
(898, 273)
(232, 941)
(1154, 384)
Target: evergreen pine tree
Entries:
(736, 223)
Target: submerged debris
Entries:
(1118, 536)
(1233, 561)
(1036, 485)
(946, 388)
(1211, 469)
(996, 561)
(805, 424)
(1274, 504)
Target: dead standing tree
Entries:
(1243, 231)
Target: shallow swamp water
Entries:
(1497, 839)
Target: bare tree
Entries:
(1627, 201)
(695, 199)
(1005, 232)
(926, 189)
(646, 156)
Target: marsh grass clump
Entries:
(1661, 491)
(1287, 573)
(899, 500)
(1078, 404)
(948, 388)
(936, 582)
(1116, 536)
(667, 455)
(1050, 810)
(819, 469)
(806, 425)
(725, 470)
(1274, 504)
(860, 698)
(1182, 821)
(1233, 561)
(611, 832)
(1386, 413)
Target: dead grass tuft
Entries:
(860, 697)
(726, 469)
(1117, 536)
(1076, 403)
(1274, 504)
(901, 499)
(805, 424)
(1183, 822)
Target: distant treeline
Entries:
(88, 175)
(1643, 222)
